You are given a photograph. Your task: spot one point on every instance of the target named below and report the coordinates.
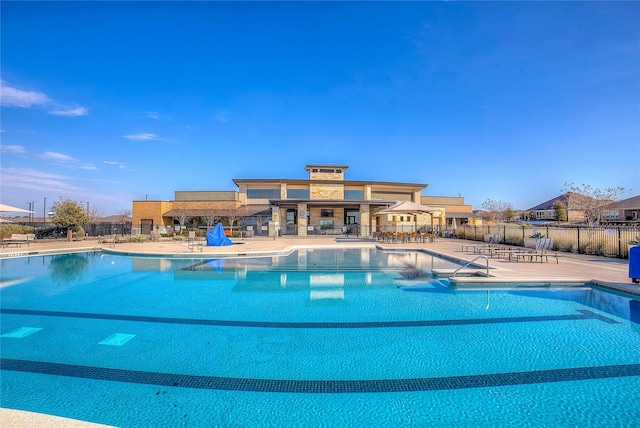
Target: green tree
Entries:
(69, 214)
(510, 214)
(559, 211)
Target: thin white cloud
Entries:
(222, 116)
(13, 97)
(30, 179)
(60, 159)
(69, 111)
(153, 115)
(142, 137)
(57, 156)
(14, 150)
(118, 164)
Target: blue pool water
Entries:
(314, 338)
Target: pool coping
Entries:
(478, 280)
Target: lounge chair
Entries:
(491, 241)
(18, 239)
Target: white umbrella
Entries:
(9, 209)
(409, 207)
(454, 226)
(413, 208)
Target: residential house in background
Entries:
(546, 210)
(626, 209)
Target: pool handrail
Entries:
(471, 262)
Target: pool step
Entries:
(445, 273)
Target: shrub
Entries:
(6, 230)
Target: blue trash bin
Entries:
(634, 263)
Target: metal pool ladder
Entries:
(471, 262)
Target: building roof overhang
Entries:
(330, 202)
(325, 165)
(413, 186)
(452, 214)
(243, 211)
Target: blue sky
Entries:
(109, 102)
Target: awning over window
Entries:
(243, 211)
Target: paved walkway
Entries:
(573, 268)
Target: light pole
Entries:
(29, 203)
(44, 211)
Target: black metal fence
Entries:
(50, 231)
(609, 241)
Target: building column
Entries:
(274, 223)
(303, 220)
(365, 223)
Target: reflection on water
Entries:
(68, 267)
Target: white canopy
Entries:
(9, 209)
(409, 207)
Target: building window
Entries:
(326, 224)
(325, 170)
(297, 193)
(357, 195)
(263, 193)
(326, 213)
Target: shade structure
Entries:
(411, 208)
(9, 209)
(408, 207)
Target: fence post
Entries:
(619, 242)
(578, 249)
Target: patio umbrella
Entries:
(408, 207)
(454, 226)
(9, 209)
(412, 208)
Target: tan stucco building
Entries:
(324, 203)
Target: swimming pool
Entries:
(334, 338)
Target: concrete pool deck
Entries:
(571, 268)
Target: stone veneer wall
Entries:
(326, 176)
(326, 191)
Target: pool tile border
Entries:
(584, 314)
(322, 386)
